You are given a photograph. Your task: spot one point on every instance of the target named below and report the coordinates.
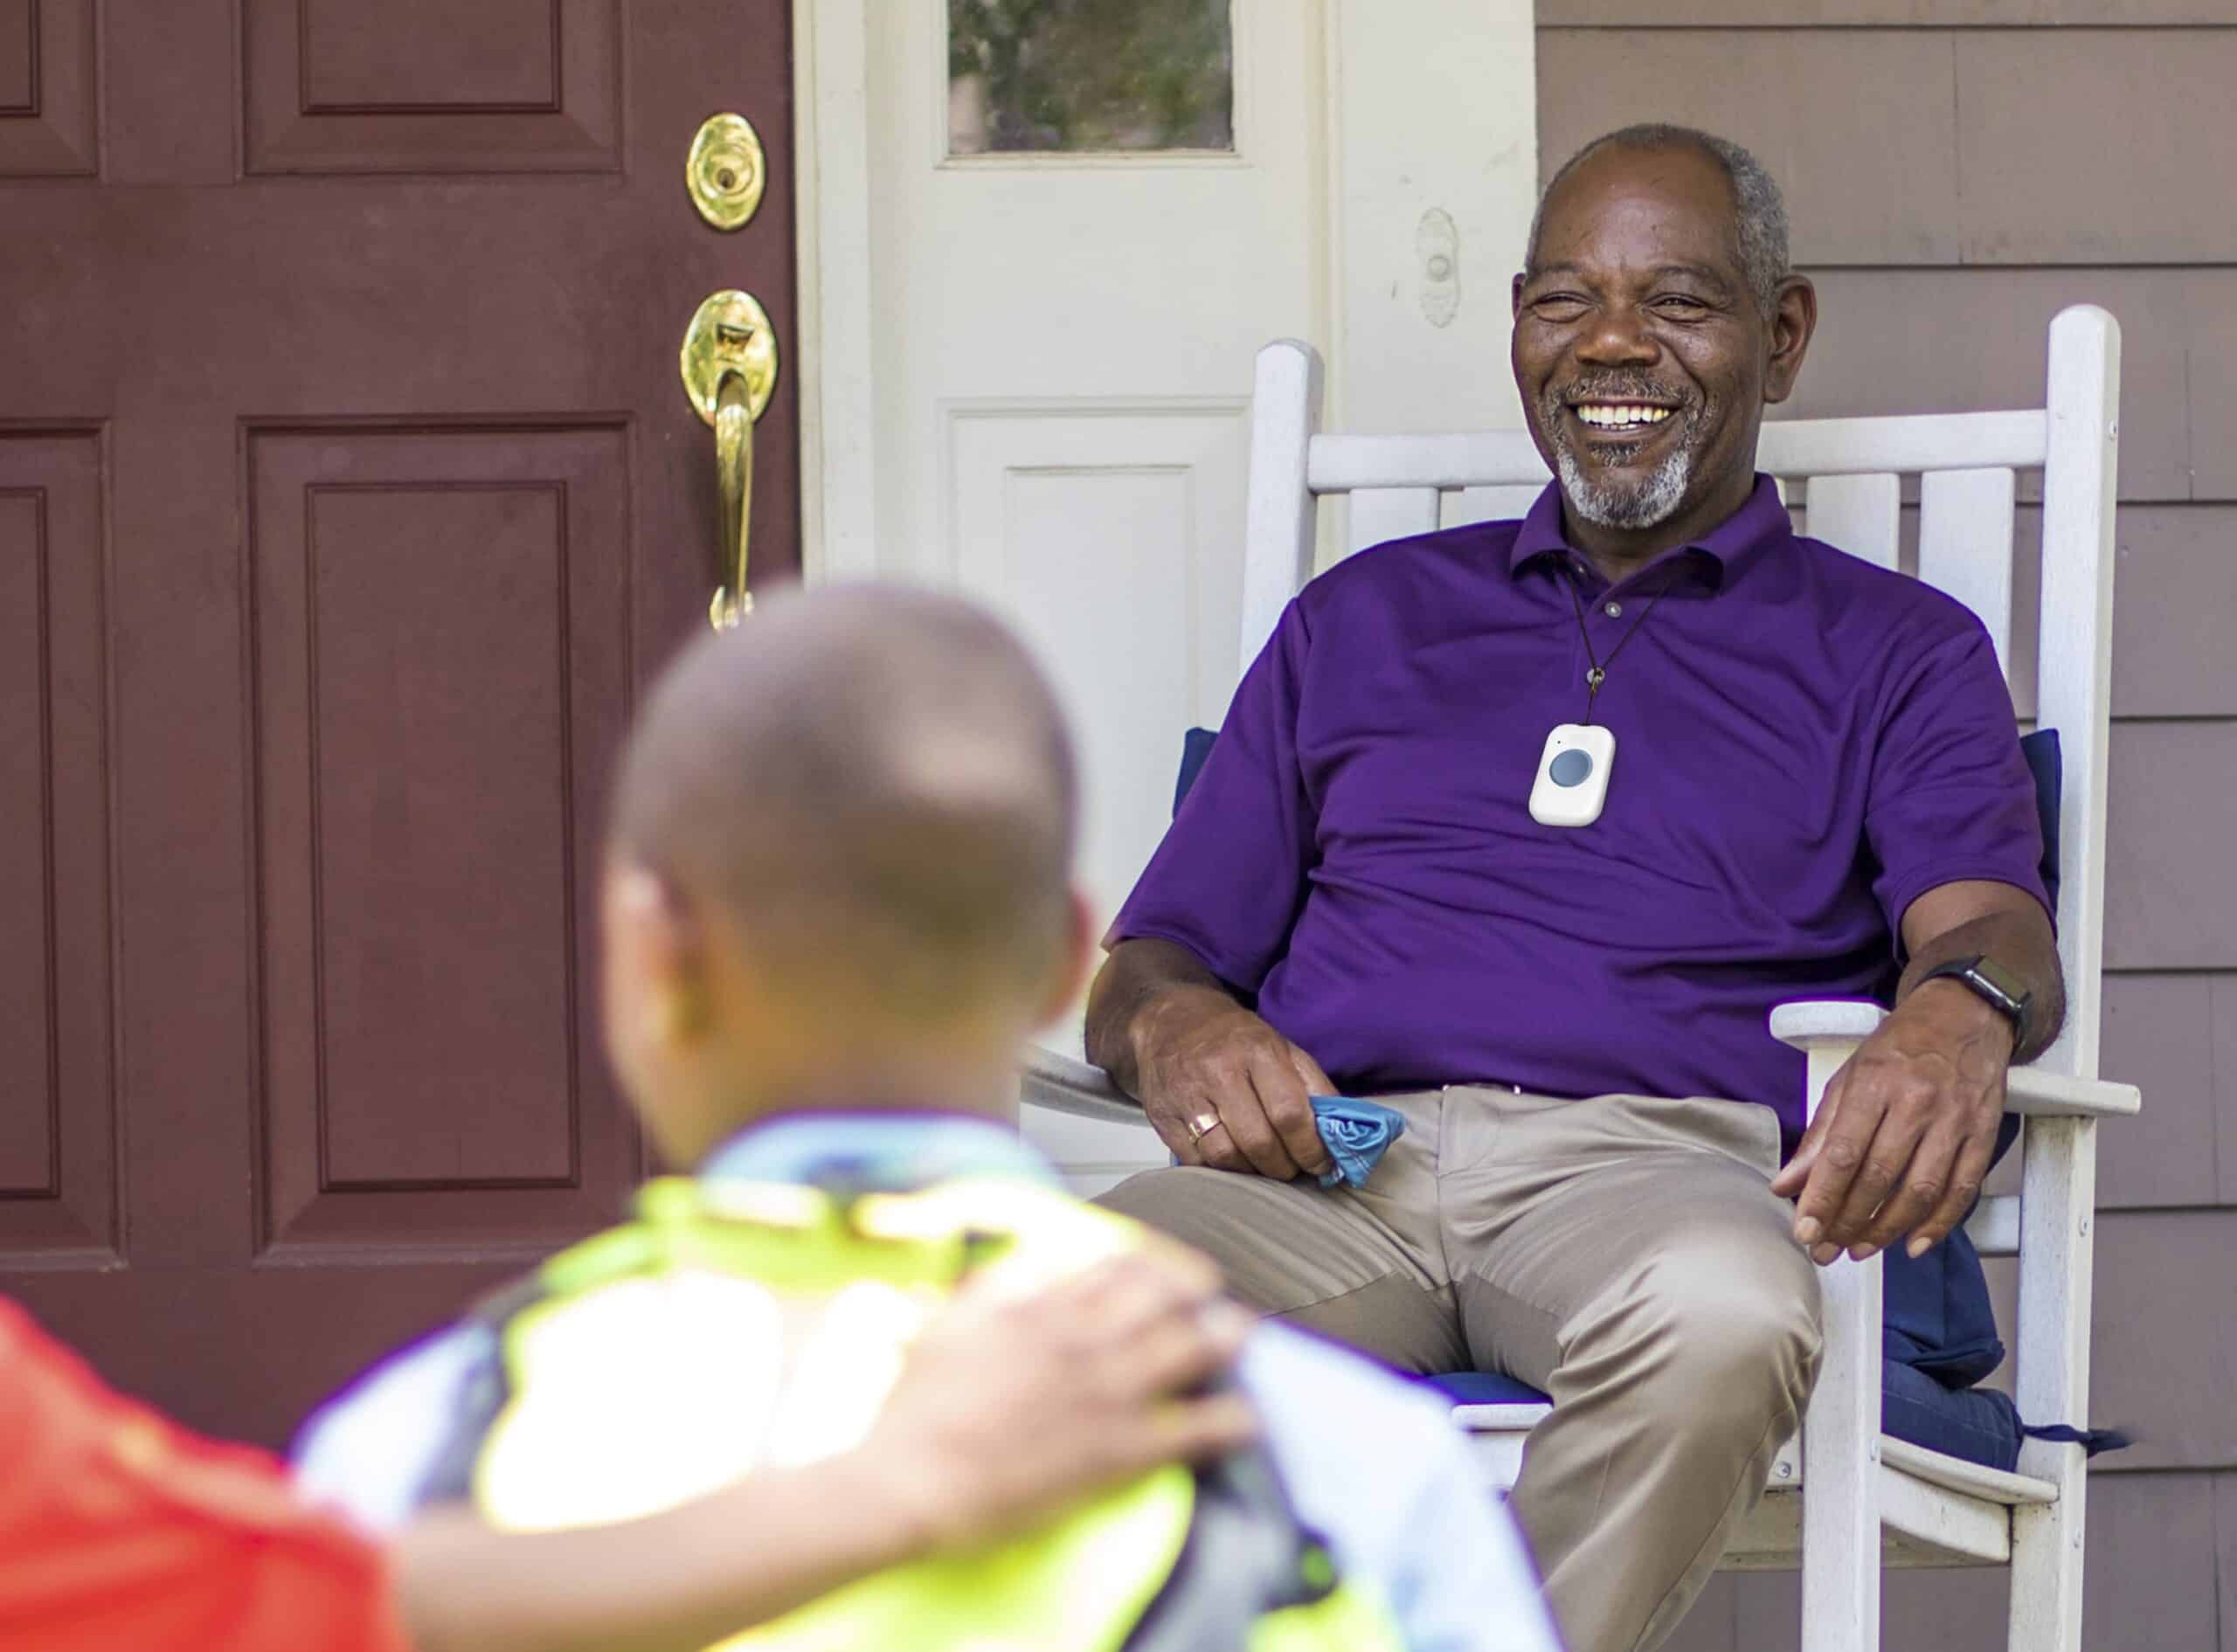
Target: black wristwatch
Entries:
(1996, 986)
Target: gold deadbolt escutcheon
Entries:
(726, 172)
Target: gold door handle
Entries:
(734, 475)
(729, 371)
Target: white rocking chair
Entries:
(1872, 1500)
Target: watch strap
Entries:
(1993, 986)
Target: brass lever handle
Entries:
(734, 473)
(729, 371)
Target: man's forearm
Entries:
(2019, 942)
(1133, 979)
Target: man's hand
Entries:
(1905, 1132)
(1010, 1409)
(1219, 1086)
(1200, 1056)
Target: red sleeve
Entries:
(120, 1530)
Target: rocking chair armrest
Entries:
(2040, 1094)
(1807, 1022)
(1830, 1023)
(1826, 1030)
(1062, 1085)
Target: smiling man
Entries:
(1524, 827)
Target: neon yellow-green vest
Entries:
(740, 1325)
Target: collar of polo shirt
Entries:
(1719, 555)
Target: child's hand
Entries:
(1010, 1409)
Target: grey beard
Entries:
(1651, 504)
(1648, 505)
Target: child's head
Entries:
(841, 867)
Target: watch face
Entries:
(2000, 981)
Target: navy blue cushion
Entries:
(1977, 1424)
(1936, 1308)
(1195, 746)
(2048, 766)
(1484, 1388)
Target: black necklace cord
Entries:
(1598, 674)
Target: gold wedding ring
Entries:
(1201, 1126)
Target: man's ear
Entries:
(1070, 973)
(1514, 294)
(1793, 322)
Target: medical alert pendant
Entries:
(1573, 776)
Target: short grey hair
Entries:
(1759, 208)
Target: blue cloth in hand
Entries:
(1356, 1134)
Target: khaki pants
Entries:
(1623, 1254)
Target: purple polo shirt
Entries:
(1804, 744)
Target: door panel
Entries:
(58, 1176)
(441, 663)
(1064, 515)
(498, 86)
(499, 55)
(347, 491)
(46, 88)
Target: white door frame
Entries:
(1468, 146)
(831, 243)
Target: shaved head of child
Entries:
(840, 866)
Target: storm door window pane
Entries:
(1068, 76)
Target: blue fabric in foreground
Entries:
(1356, 1134)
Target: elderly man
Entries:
(1524, 828)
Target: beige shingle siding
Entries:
(1878, 14)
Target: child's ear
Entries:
(654, 955)
(1077, 958)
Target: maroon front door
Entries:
(347, 488)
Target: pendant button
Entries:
(1594, 678)
(1572, 784)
